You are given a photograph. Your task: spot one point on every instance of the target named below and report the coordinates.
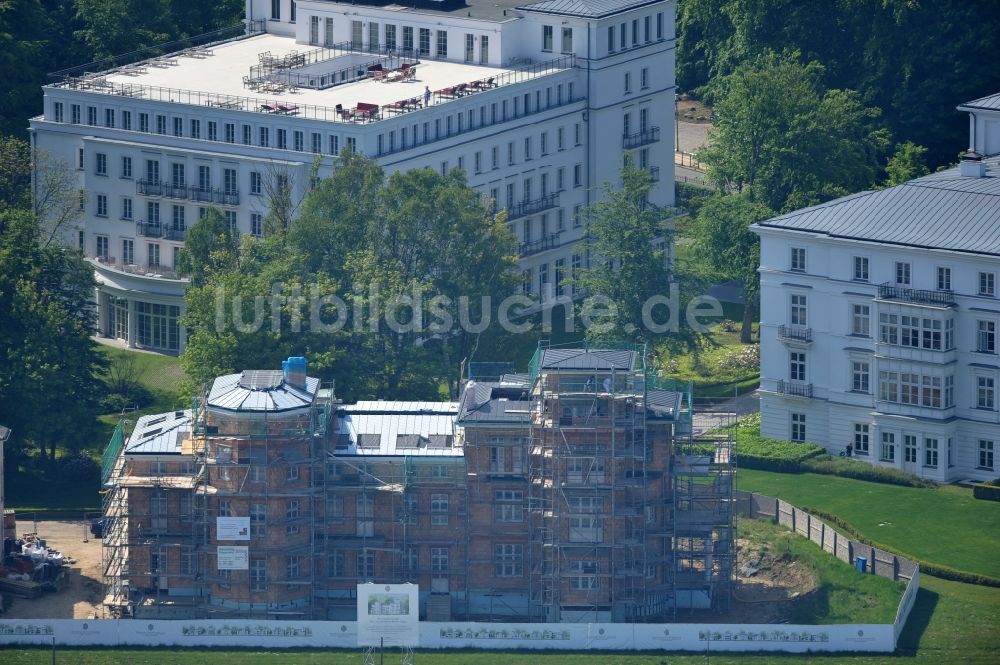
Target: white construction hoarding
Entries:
(388, 614)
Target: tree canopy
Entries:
(914, 60)
(394, 273)
(785, 139)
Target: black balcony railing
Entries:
(171, 233)
(149, 187)
(798, 333)
(526, 208)
(215, 195)
(795, 389)
(550, 241)
(149, 229)
(641, 138)
(888, 291)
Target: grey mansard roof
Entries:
(943, 210)
(989, 102)
(585, 8)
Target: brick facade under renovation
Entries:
(557, 495)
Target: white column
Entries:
(131, 323)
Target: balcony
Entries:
(641, 138)
(795, 389)
(157, 230)
(889, 291)
(551, 241)
(526, 208)
(228, 197)
(149, 229)
(795, 334)
(150, 270)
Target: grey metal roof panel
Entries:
(584, 359)
(389, 427)
(585, 8)
(234, 392)
(664, 403)
(942, 210)
(492, 402)
(393, 406)
(989, 102)
(159, 433)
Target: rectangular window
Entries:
(178, 218)
(797, 366)
(177, 175)
(407, 39)
(798, 261)
(256, 183)
(647, 31)
(567, 40)
(985, 454)
(583, 576)
(889, 328)
(298, 139)
(390, 37)
(508, 560)
(986, 336)
(275, 10)
(127, 209)
(74, 111)
(861, 438)
(585, 529)
(888, 451)
(644, 78)
(546, 37)
(659, 25)
(126, 171)
(102, 205)
(909, 331)
(247, 135)
(439, 509)
(577, 175)
(256, 224)
(985, 392)
(57, 111)
(373, 35)
(798, 310)
(902, 273)
(264, 136)
(178, 126)
(425, 42)
(92, 115)
(101, 247)
(442, 43)
(229, 181)
(798, 427)
(109, 118)
(258, 571)
(987, 284)
(860, 372)
(366, 565)
(944, 279)
(439, 559)
(230, 133)
(143, 122)
(909, 448)
(611, 39)
(102, 164)
(861, 320)
(628, 82)
(931, 453)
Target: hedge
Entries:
(988, 491)
(937, 570)
(754, 451)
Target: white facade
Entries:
(879, 325)
(157, 143)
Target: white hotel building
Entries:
(879, 318)
(536, 102)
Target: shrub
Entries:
(745, 359)
(852, 468)
(77, 467)
(988, 491)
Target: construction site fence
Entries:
(695, 637)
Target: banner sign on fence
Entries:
(232, 528)
(388, 614)
(233, 557)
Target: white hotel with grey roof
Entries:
(537, 102)
(879, 317)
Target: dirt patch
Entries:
(692, 110)
(81, 592)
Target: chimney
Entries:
(972, 165)
(294, 370)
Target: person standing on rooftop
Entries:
(427, 95)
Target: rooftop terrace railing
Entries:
(100, 85)
(240, 31)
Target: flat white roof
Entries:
(222, 72)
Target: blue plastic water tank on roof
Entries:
(295, 371)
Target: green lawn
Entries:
(842, 595)
(951, 624)
(945, 526)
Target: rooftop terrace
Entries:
(273, 74)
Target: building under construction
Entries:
(571, 493)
